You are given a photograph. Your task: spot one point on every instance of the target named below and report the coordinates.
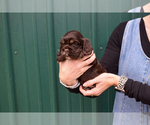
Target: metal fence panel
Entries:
(29, 43)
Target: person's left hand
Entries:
(103, 82)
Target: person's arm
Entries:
(110, 63)
(133, 89)
(110, 59)
(138, 90)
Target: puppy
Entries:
(74, 46)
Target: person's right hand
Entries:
(70, 70)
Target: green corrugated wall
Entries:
(29, 43)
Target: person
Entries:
(127, 53)
(141, 9)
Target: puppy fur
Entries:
(74, 46)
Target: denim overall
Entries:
(134, 64)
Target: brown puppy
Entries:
(74, 46)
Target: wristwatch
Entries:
(121, 83)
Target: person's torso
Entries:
(134, 64)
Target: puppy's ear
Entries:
(87, 47)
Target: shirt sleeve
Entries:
(138, 90)
(71, 87)
(110, 58)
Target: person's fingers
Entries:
(91, 59)
(59, 63)
(92, 92)
(90, 82)
(88, 61)
(88, 56)
(85, 68)
(79, 64)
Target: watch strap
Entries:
(122, 83)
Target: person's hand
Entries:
(103, 82)
(70, 70)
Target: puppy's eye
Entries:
(75, 43)
(62, 42)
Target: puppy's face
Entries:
(73, 46)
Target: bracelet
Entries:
(71, 87)
(121, 83)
